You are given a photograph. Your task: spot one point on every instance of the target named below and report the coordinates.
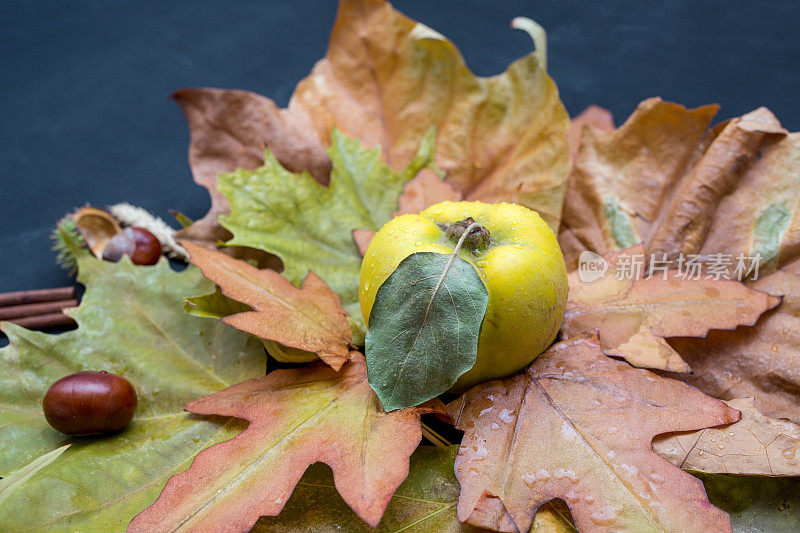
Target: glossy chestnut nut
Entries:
(139, 244)
(89, 402)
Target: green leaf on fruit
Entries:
(308, 225)
(424, 328)
(130, 323)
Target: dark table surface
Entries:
(85, 114)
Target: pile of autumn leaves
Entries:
(586, 422)
(577, 424)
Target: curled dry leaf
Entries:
(665, 179)
(579, 426)
(762, 362)
(297, 418)
(386, 80)
(634, 316)
(755, 445)
(310, 318)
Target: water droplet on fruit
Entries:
(788, 453)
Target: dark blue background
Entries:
(85, 116)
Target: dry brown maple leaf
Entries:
(385, 80)
(634, 316)
(230, 129)
(310, 318)
(297, 417)
(762, 362)
(755, 445)
(579, 426)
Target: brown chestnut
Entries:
(139, 244)
(89, 402)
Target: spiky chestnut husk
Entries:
(66, 240)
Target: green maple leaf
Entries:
(131, 323)
(308, 225)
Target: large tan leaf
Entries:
(761, 362)
(310, 318)
(579, 426)
(634, 316)
(755, 445)
(230, 129)
(297, 418)
(387, 78)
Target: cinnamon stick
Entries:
(51, 320)
(11, 312)
(36, 296)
